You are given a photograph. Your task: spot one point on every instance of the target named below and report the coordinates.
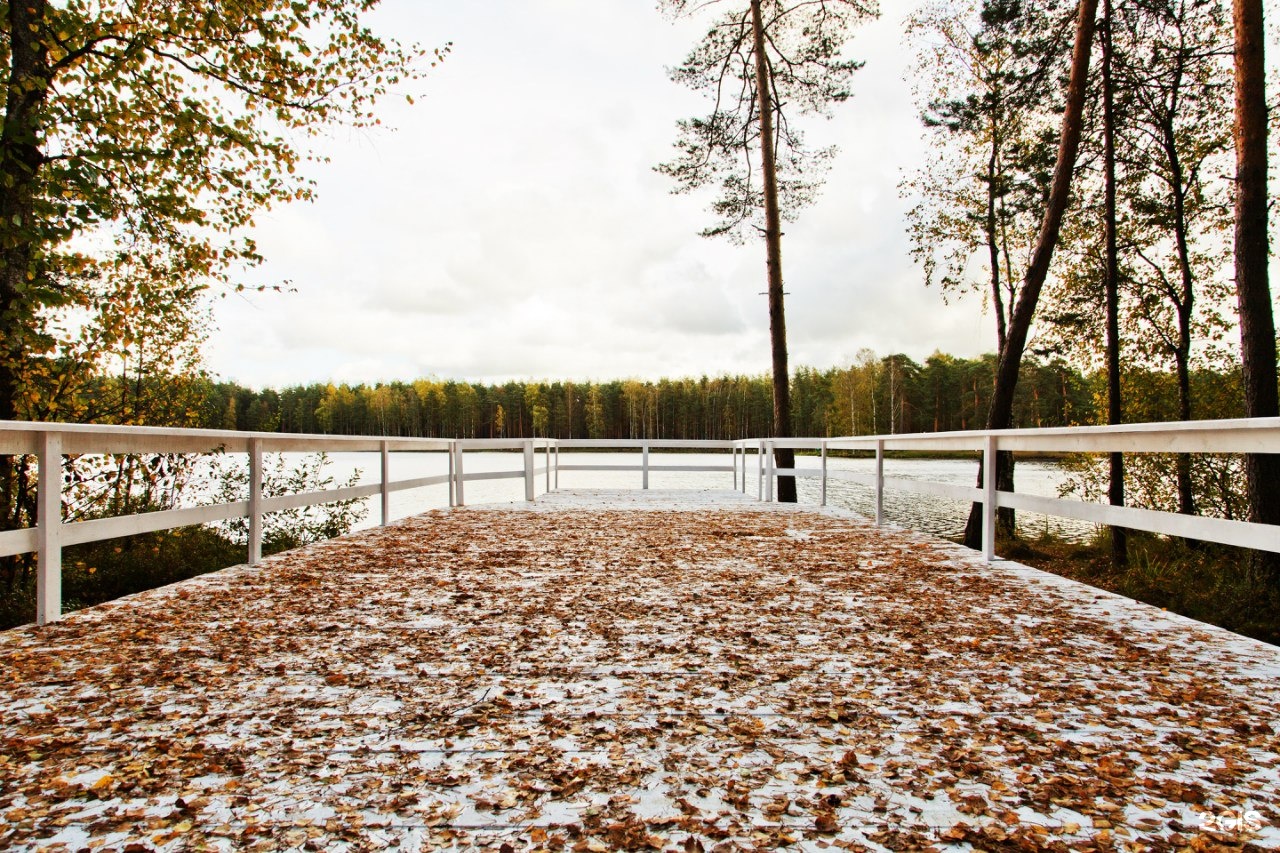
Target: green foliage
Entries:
(290, 528)
(807, 75)
(102, 571)
(874, 395)
(140, 141)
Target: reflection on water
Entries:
(939, 516)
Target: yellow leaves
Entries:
(620, 681)
(826, 823)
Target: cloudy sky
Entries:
(512, 226)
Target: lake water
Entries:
(940, 516)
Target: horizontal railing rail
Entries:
(645, 467)
(50, 442)
(1253, 435)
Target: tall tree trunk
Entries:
(1111, 285)
(1182, 464)
(784, 457)
(993, 241)
(20, 161)
(1185, 302)
(1000, 415)
(1253, 291)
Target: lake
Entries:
(939, 516)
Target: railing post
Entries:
(546, 458)
(452, 450)
(49, 530)
(557, 480)
(528, 470)
(760, 472)
(735, 468)
(644, 450)
(879, 482)
(769, 475)
(386, 478)
(824, 473)
(460, 475)
(989, 499)
(255, 500)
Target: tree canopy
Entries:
(139, 141)
(807, 74)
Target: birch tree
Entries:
(141, 138)
(1171, 70)
(988, 98)
(763, 63)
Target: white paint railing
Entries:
(1257, 435)
(645, 468)
(528, 472)
(51, 442)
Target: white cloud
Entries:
(513, 225)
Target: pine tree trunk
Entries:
(993, 242)
(1000, 415)
(1115, 411)
(20, 161)
(783, 457)
(1186, 306)
(1253, 291)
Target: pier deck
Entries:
(632, 671)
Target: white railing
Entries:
(645, 468)
(50, 442)
(1257, 435)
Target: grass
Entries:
(1208, 583)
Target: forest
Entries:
(877, 395)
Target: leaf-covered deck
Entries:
(602, 674)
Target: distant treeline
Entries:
(893, 394)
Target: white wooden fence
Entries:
(50, 442)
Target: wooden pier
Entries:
(636, 671)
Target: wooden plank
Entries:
(417, 483)
(49, 529)
(494, 475)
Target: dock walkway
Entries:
(632, 671)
